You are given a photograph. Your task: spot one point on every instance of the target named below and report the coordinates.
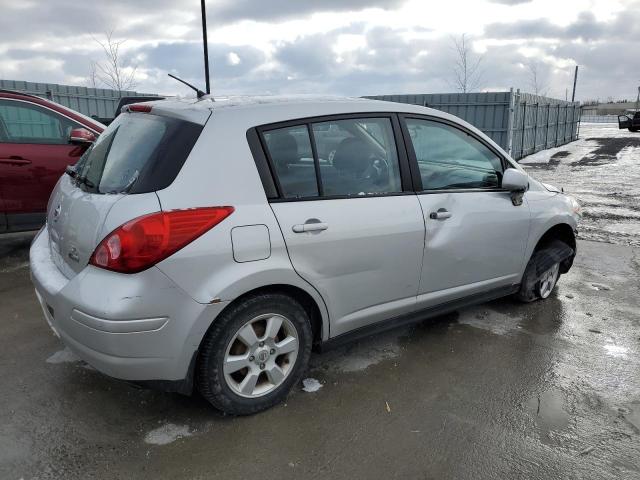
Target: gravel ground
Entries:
(601, 169)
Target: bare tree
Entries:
(113, 72)
(466, 70)
(536, 80)
(92, 78)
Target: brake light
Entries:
(144, 241)
(139, 107)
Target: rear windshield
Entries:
(138, 153)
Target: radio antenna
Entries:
(199, 92)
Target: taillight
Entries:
(144, 241)
(138, 107)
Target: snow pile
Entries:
(166, 434)
(63, 356)
(311, 385)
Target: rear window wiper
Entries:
(85, 181)
(71, 171)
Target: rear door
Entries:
(34, 152)
(475, 235)
(352, 228)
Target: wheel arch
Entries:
(563, 232)
(310, 301)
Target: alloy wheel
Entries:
(260, 355)
(548, 280)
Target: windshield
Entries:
(138, 153)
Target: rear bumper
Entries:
(139, 327)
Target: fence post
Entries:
(535, 128)
(579, 121)
(510, 120)
(524, 123)
(546, 130)
(557, 127)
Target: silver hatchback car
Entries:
(212, 244)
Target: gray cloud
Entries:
(233, 10)
(586, 27)
(391, 60)
(511, 2)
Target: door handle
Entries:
(15, 160)
(309, 227)
(441, 214)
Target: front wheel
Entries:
(254, 353)
(543, 271)
(547, 281)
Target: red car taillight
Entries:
(144, 241)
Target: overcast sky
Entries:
(347, 47)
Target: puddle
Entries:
(549, 414)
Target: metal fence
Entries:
(599, 119)
(520, 123)
(94, 102)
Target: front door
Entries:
(350, 229)
(475, 235)
(34, 152)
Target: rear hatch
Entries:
(115, 181)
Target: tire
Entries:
(233, 391)
(542, 273)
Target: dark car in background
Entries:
(630, 121)
(38, 139)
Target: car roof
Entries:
(276, 108)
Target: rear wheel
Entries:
(254, 353)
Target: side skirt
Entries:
(415, 317)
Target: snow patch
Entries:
(485, 319)
(166, 434)
(63, 356)
(311, 385)
(615, 350)
(575, 151)
(360, 355)
(15, 268)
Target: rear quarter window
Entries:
(138, 153)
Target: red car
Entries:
(38, 139)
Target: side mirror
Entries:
(515, 180)
(81, 136)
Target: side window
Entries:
(22, 122)
(292, 158)
(357, 156)
(448, 158)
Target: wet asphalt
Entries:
(498, 391)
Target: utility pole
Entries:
(575, 79)
(206, 46)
